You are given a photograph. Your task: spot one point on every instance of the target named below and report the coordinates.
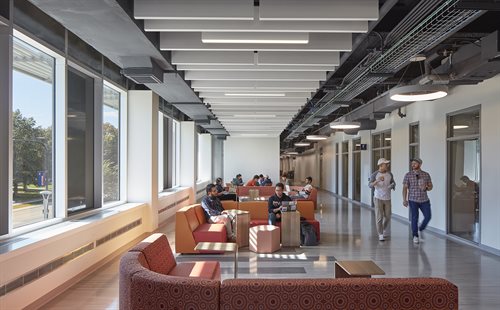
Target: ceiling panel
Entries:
(254, 84)
(194, 9)
(254, 68)
(256, 76)
(319, 42)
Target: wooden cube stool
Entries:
(264, 239)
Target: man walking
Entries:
(416, 184)
(382, 181)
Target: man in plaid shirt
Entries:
(416, 184)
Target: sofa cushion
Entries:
(157, 253)
(203, 270)
(200, 214)
(192, 218)
(210, 233)
(257, 209)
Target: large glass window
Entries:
(80, 139)
(464, 155)
(168, 152)
(33, 124)
(111, 144)
(381, 147)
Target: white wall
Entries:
(432, 119)
(250, 156)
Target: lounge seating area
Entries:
(150, 278)
(191, 226)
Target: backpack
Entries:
(307, 234)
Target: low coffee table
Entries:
(222, 247)
(356, 269)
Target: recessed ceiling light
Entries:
(418, 93)
(255, 94)
(316, 137)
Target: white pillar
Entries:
(143, 152)
(189, 152)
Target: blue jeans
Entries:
(272, 218)
(425, 207)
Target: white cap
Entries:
(382, 161)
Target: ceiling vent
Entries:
(148, 73)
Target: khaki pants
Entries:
(223, 219)
(382, 214)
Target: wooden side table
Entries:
(357, 269)
(242, 226)
(221, 246)
(290, 228)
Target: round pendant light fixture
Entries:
(302, 144)
(418, 93)
(344, 125)
(316, 137)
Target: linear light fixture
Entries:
(255, 38)
(255, 115)
(254, 134)
(254, 94)
(460, 126)
(316, 137)
(344, 125)
(302, 144)
(418, 93)
(292, 153)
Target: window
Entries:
(381, 143)
(345, 168)
(414, 141)
(80, 141)
(356, 169)
(110, 144)
(33, 126)
(168, 152)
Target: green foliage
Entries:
(110, 162)
(31, 144)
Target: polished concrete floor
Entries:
(347, 232)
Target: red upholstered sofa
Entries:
(191, 227)
(147, 282)
(150, 278)
(263, 190)
(312, 197)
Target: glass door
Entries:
(464, 155)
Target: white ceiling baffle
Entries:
(256, 66)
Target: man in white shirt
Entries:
(382, 181)
(306, 191)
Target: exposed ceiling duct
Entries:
(144, 70)
(442, 21)
(470, 64)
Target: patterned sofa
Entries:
(191, 227)
(151, 279)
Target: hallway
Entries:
(347, 232)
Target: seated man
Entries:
(221, 193)
(306, 191)
(214, 211)
(254, 181)
(267, 181)
(238, 180)
(274, 204)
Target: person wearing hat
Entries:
(416, 184)
(382, 181)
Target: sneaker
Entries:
(381, 238)
(415, 240)
(421, 234)
(386, 234)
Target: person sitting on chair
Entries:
(254, 181)
(214, 211)
(238, 180)
(274, 204)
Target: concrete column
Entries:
(142, 163)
